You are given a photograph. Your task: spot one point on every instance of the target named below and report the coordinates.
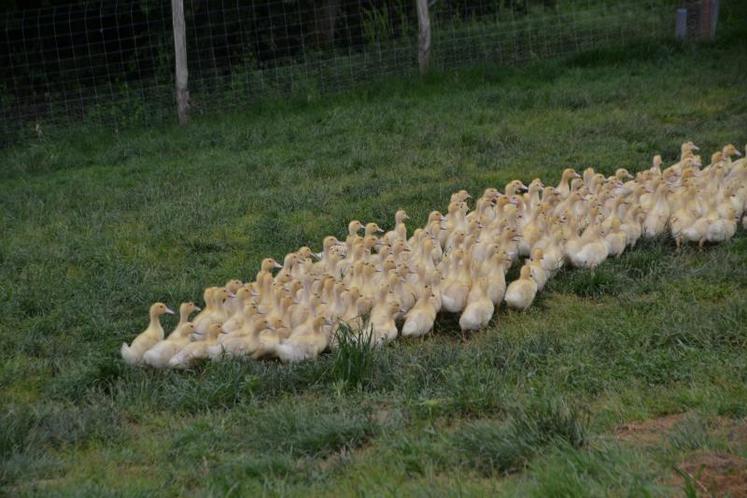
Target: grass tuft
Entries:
(354, 358)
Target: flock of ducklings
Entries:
(456, 263)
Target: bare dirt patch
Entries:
(648, 432)
(716, 474)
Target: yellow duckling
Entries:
(564, 187)
(133, 354)
(537, 269)
(479, 309)
(304, 346)
(421, 317)
(495, 270)
(455, 287)
(520, 293)
(198, 350)
(615, 239)
(383, 315)
(240, 344)
(159, 355)
(722, 229)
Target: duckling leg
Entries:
(701, 243)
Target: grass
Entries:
(96, 226)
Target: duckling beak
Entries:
(739, 154)
(197, 308)
(231, 295)
(277, 265)
(170, 311)
(223, 330)
(317, 255)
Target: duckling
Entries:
(658, 212)
(198, 350)
(455, 287)
(159, 355)
(133, 354)
(186, 309)
(520, 293)
(270, 338)
(421, 317)
(479, 309)
(305, 346)
(237, 345)
(384, 327)
(588, 251)
(564, 187)
(214, 311)
(495, 271)
(400, 230)
(722, 229)
(538, 271)
(615, 239)
(354, 227)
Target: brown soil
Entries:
(648, 432)
(716, 474)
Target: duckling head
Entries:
(537, 254)
(304, 252)
(158, 309)
(213, 331)
(490, 193)
(729, 151)
(185, 330)
(243, 294)
(373, 228)
(186, 309)
(525, 272)
(623, 174)
(514, 187)
(221, 294)
(435, 216)
(330, 241)
(234, 285)
(269, 264)
(569, 173)
(400, 216)
(688, 148)
(460, 196)
(354, 227)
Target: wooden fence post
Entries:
(424, 36)
(180, 52)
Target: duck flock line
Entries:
(456, 263)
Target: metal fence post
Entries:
(180, 58)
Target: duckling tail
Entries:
(288, 353)
(128, 355)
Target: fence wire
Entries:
(111, 62)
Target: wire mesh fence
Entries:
(111, 62)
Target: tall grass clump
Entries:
(506, 448)
(353, 363)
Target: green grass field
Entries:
(613, 384)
